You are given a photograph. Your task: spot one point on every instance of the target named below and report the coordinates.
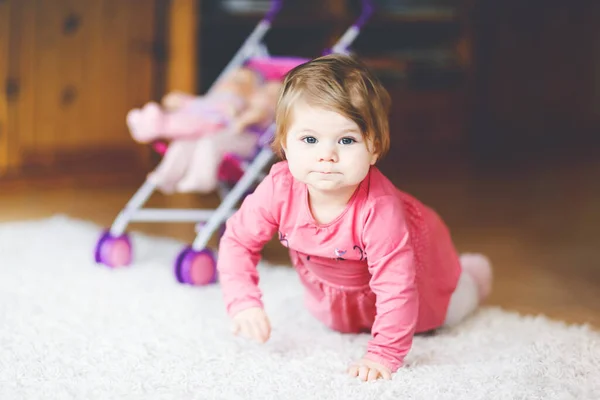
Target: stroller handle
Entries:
(348, 37)
(274, 10)
(367, 10)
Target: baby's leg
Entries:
(474, 285)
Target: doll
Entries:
(191, 164)
(188, 116)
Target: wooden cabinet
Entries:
(70, 70)
(4, 31)
(538, 80)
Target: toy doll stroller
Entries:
(196, 264)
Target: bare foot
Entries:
(479, 268)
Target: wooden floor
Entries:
(538, 221)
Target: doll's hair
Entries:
(338, 83)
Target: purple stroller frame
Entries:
(196, 264)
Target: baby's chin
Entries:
(330, 186)
(333, 182)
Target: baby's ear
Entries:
(280, 149)
(374, 158)
(374, 154)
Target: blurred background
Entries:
(495, 117)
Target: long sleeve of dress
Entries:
(246, 233)
(391, 263)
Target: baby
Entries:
(371, 257)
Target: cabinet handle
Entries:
(12, 88)
(71, 24)
(68, 95)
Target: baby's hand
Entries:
(252, 323)
(368, 370)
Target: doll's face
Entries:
(272, 89)
(243, 82)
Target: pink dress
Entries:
(385, 265)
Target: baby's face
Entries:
(326, 150)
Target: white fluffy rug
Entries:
(70, 329)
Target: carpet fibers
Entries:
(70, 329)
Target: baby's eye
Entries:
(309, 139)
(347, 140)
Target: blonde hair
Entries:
(342, 84)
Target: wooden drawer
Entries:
(70, 70)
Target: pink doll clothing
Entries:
(220, 107)
(385, 265)
(201, 116)
(204, 115)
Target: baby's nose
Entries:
(328, 153)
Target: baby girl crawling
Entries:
(371, 257)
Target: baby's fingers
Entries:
(363, 372)
(353, 371)
(373, 374)
(261, 330)
(235, 328)
(366, 373)
(243, 329)
(386, 374)
(255, 332)
(265, 328)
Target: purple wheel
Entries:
(113, 251)
(196, 267)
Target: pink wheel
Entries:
(114, 251)
(196, 267)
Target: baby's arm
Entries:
(246, 233)
(391, 263)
